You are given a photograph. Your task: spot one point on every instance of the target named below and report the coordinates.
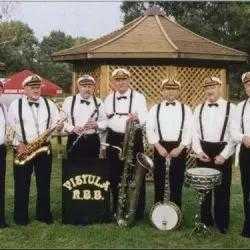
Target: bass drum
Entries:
(166, 216)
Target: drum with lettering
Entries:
(85, 192)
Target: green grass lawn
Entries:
(143, 235)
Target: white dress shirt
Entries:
(170, 118)
(118, 122)
(3, 116)
(82, 113)
(236, 129)
(212, 122)
(34, 119)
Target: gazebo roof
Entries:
(2, 66)
(152, 35)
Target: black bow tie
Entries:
(34, 103)
(84, 101)
(121, 97)
(213, 104)
(170, 103)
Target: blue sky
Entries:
(89, 19)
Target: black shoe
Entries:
(22, 223)
(139, 217)
(245, 234)
(208, 220)
(46, 220)
(208, 223)
(222, 230)
(3, 225)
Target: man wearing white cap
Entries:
(212, 142)
(2, 160)
(240, 131)
(168, 128)
(86, 119)
(29, 117)
(121, 105)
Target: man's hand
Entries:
(246, 141)
(77, 130)
(133, 116)
(21, 148)
(59, 126)
(91, 124)
(176, 152)
(203, 157)
(161, 150)
(219, 160)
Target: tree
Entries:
(6, 8)
(20, 52)
(223, 22)
(60, 73)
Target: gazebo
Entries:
(153, 47)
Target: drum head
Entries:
(203, 171)
(164, 217)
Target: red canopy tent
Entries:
(13, 84)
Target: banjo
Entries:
(166, 215)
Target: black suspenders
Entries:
(242, 116)
(96, 108)
(72, 110)
(48, 109)
(182, 122)
(224, 125)
(20, 114)
(158, 121)
(3, 111)
(73, 106)
(130, 105)
(130, 101)
(4, 116)
(225, 122)
(113, 105)
(200, 120)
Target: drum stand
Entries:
(200, 227)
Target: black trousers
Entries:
(87, 147)
(116, 168)
(2, 183)
(221, 208)
(41, 165)
(176, 174)
(244, 160)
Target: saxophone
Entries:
(35, 147)
(130, 185)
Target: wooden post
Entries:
(225, 87)
(104, 81)
(74, 76)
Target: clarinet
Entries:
(82, 134)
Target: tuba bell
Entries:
(131, 183)
(143, 165)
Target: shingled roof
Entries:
(152, 35)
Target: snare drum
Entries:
(203, 178)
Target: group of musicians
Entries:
(212, 131)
